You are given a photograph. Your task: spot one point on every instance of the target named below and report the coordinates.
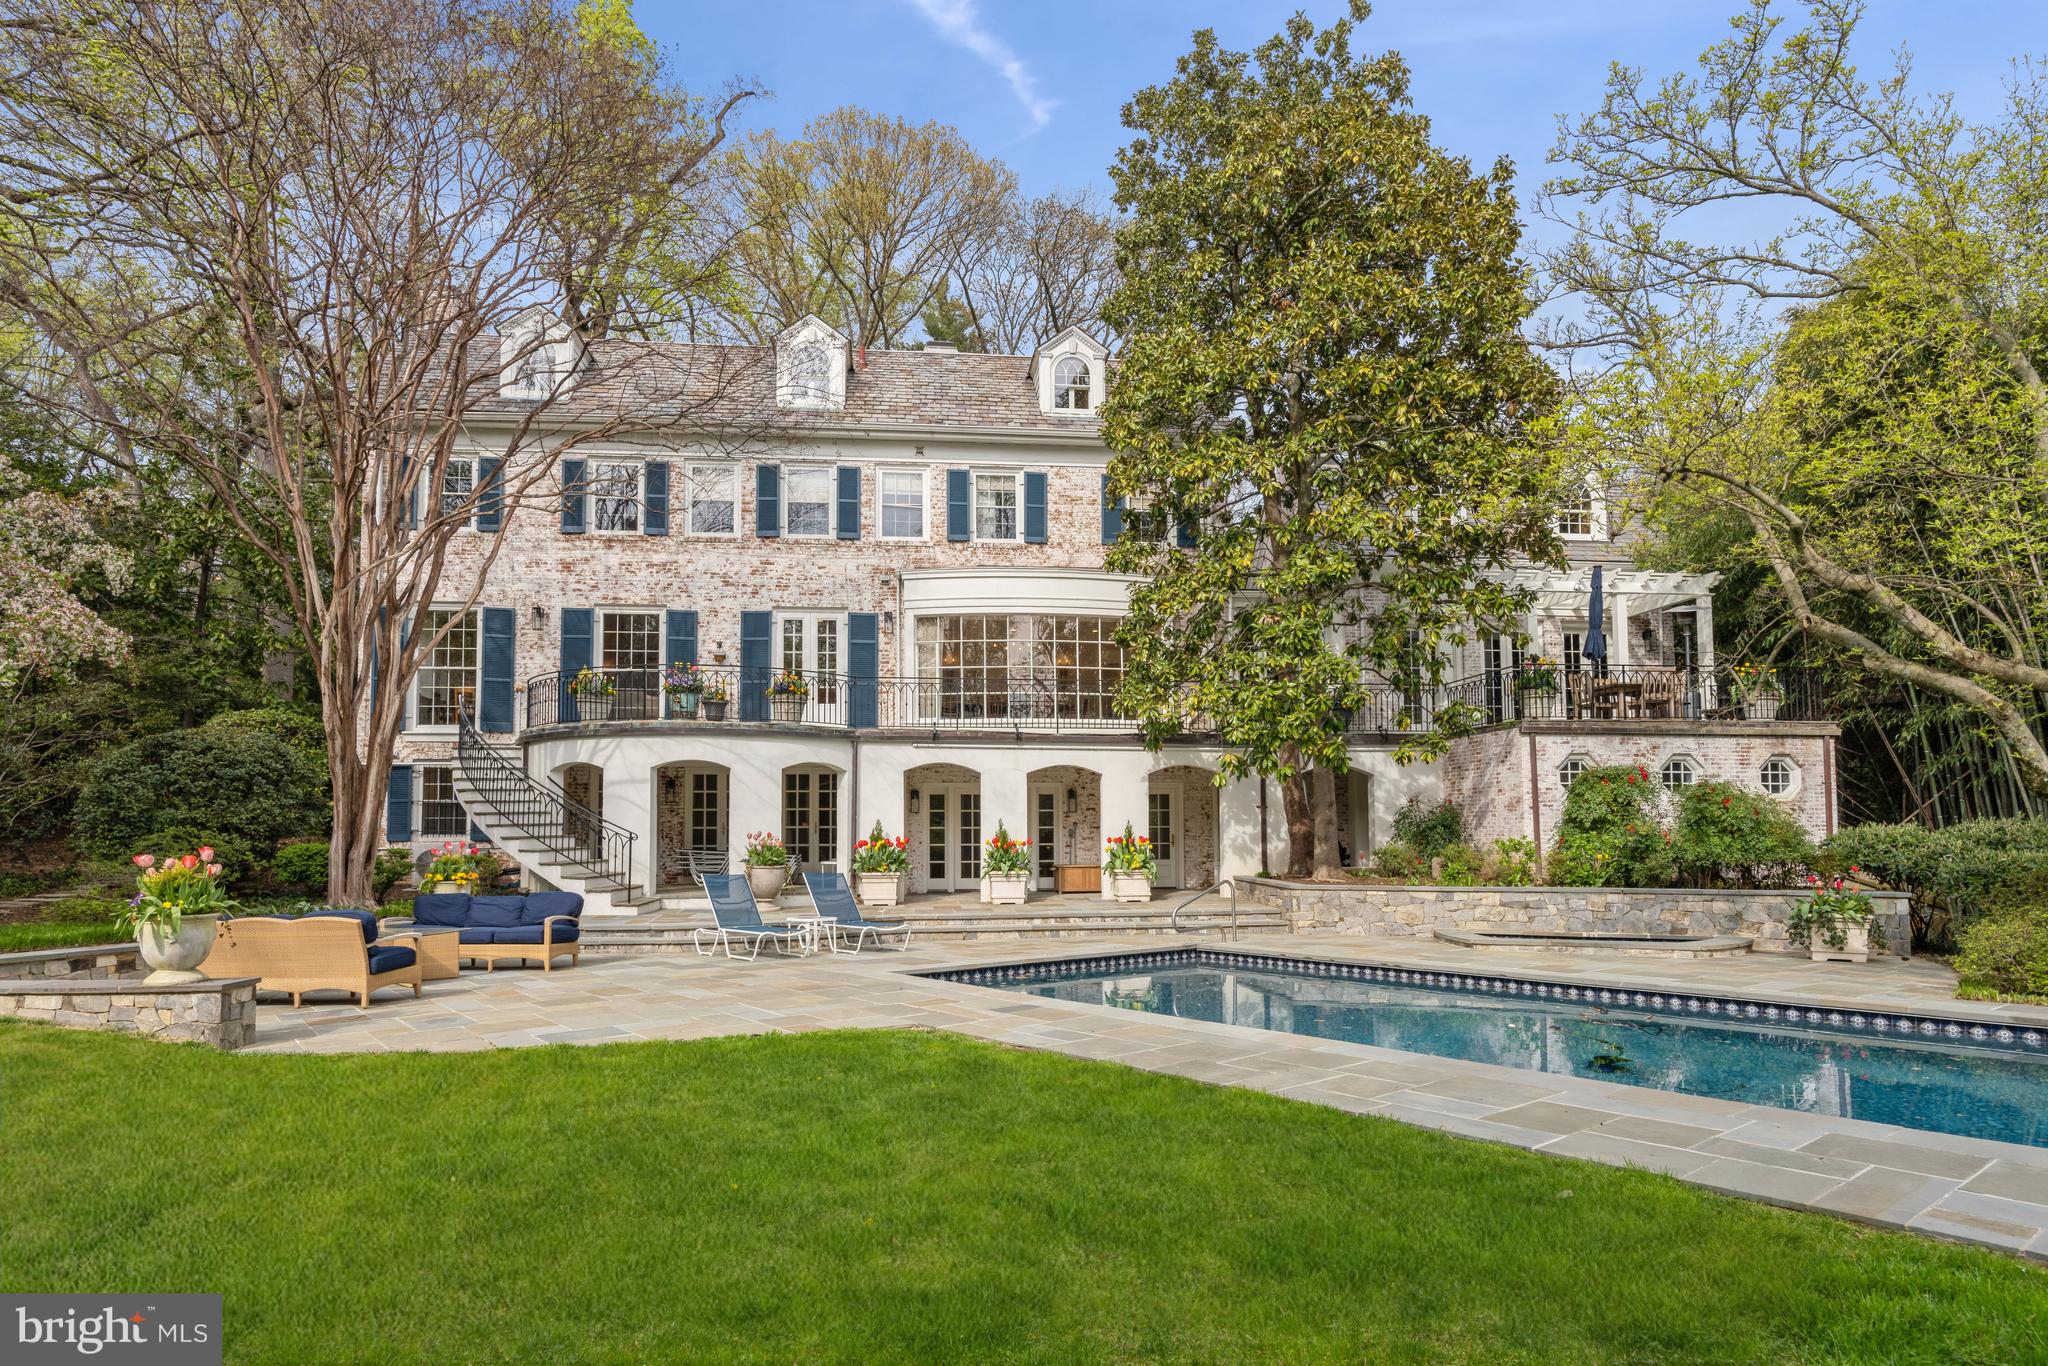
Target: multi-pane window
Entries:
(810, 376)
(810, 816)
(1087, 666)
(1578, 516)
(707, 825)
(807, 500)
(968, 658)
(1047, 835)
(1678, 771)
(900, 496)
(809, 645)
(458, 481)
(1020, 668)
(448, 671)
(1070, 384)
(714, 501)
(995, 507)
(1570, 769)
(614, 488)
(1777, 776)
(441, 815)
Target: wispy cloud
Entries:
(960, 23)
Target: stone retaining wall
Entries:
(101, 988)
(97, 960)
(1417, 911)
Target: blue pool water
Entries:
(1948, 1077)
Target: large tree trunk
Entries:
(1294, 799)
(1323, 818)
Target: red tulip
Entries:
(145, 860)
(213, 870)
(189, 861)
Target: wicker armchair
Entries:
(311, 953)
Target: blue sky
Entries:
(1040, 84)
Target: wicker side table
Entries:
(437, 946)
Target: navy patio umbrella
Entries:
(1595, 645)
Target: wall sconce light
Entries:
(540, 615)
(1073, 801)
(913, 801)
(888, 620)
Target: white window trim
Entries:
(412, 709)
(795, 397)
(831, 473)
(1584, 761)
(1793, 788)
(1597, 518)
(1691, 763)
(590, 494)
(475, 463)
(419, 806)
(689, 470)
(1088, 364)
(629, 610)
(1016, 478)
(923, 475)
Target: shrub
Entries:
(298, 731)
(1461, 864)
(1513, 863)
(1954, 873)
(83, 910)
(1398, 860)
(1727, 835)
(302, 865)
(2005, 954)
(391, 868)
(237, 860)
(1610, 835)
(249, 786)
(1429, 829)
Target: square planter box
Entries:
(1130, 887)
(1855, 946)
(1005, 889)
(879, 889)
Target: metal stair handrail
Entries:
(544, 813)
(1227, 885)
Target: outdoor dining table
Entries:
(1616, 697)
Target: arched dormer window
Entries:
(1070, 385)
(533, 372)
(1580, 516)
(810, 376)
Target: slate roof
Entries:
(735, 386)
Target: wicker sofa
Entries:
(322, 951)
(537, 927)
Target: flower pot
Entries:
(1761, 708)
(1004, 889)
(784, 706)
(595, 707)
(767, 880)
(1129, 887)
(879, 889)
(176, 956)
(714, 709)
(1855, 945)
(683, 703)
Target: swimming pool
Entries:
(1917, 1071)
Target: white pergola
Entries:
(1625, 591)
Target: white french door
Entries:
(1163, 826)
(952, 818)
(808, 643)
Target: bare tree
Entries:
(1049, 268)
(272, 242)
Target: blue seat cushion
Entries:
(530, 934)
(477, 936)
(541, 905)
(495, 912)
(442, 908)
(389, 957)
(365, 922)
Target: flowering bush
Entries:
(1006, 855)
(766, 851)
(1130, 853)
(1727, 835)
(169, 889)
(678, 679)
(462, 864)
(790, 684)
(1829, 912)
(1538, 674)
(878, 853)
(1610, 834)
(589, 682)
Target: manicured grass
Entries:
(21, 936)
(893, 1196)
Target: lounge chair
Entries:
(833, 900)
(323, 951)
(737, 918)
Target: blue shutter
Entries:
(578, 624)
(682, 640)
(490, 494)
(1112, 515)
(756, 629)
(398, 804)
(767, 500)
(1034, 506)
(477, 834)
(572, 495)
(863, 661)
(1184, 533)
(849, 502)
(655, 522)
(959, 505)
(494, 705)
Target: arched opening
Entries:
(1181, 813)
(691, 801)
(583, 785)
(942, 812)
(1065, 802)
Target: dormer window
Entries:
(810, 377)
(539, 356)
(1070, 388)
(810, 365)
(531, 373)
(1580, 517)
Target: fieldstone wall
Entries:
(98, 960)
(1418, 911)
(219, 1013)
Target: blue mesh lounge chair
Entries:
(738, 919)
(834, 901)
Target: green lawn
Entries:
(59, 934)
(892, 1196)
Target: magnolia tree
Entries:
(1324, 401)
(274, 244)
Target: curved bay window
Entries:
(1018, 669)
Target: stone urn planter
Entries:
(879, 889)
(1004, 889)
(1130, 887)
(176, 957)
(1855, 946)
(767, 880)
(787, 707)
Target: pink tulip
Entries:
(189, 861)
(145, 860)
(213, 870)
(206, 851)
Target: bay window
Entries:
(1018, 668)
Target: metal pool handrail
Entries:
(1227, 885)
